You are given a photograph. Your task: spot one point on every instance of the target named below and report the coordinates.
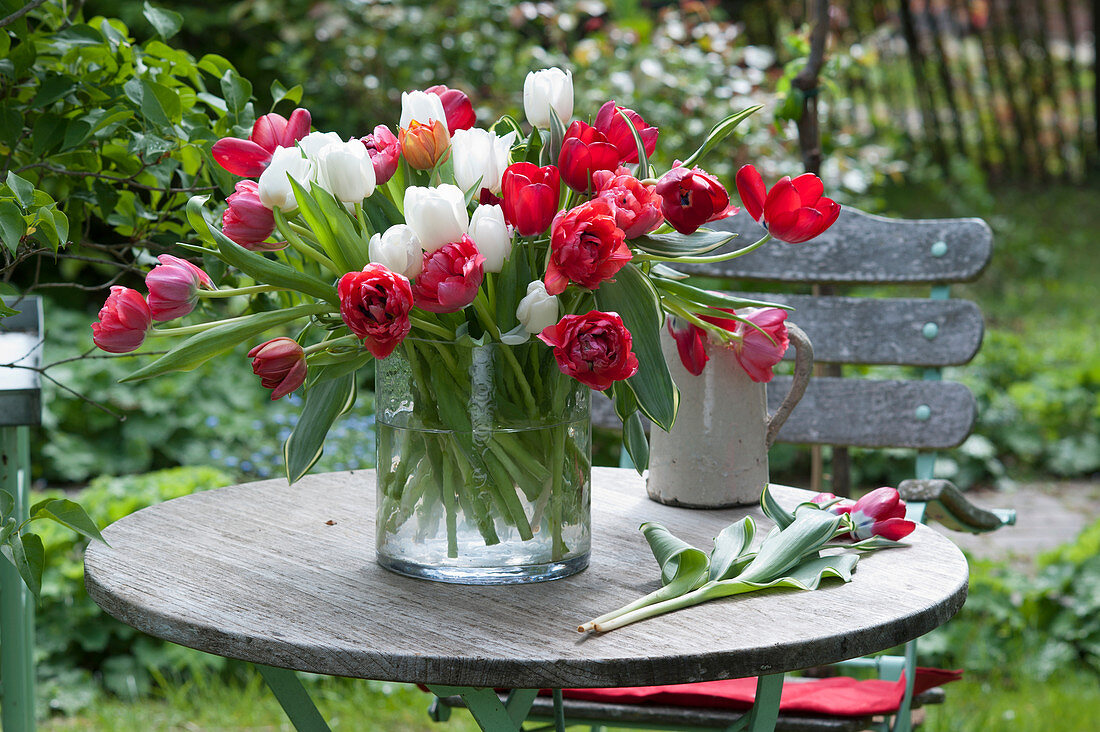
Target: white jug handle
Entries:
(803, 368)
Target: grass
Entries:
(1069, 702)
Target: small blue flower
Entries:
(212, 421)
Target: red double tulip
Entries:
(637, 207)
(375, 305)
(450, 277)
(123, 321)
(584, 151)
(247, 221)
(617, 131)
(249, 158)
(424, 145)
(594, 348)
(173, 287)
(691, 198)
(530, 197)
(457, 107)
(793, 211)
(385, 151)
(281, 365)
(586, 246)
(878, 513)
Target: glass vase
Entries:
(484, 463)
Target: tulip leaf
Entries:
(557, 137)
(781, 550)
(638, 303)
(668, 273)
(349, 242)
(325, 403)
(719, 132)
(771, 508)
(675, 244)
(710, 298)
(201, 347)
(382, 203)
(806, 576)
(69, 514)
(683, 567)
(643, 159)
(256, 266)
(506, 124)
(334, 366)
(635, 442)
(866, 545)
(730, 546)
(534, 149)
(311, 212)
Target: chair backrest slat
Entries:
(861, 248)
(895, 331)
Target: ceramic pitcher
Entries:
(716, 455)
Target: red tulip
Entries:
(249, 158)
(593, 348)
(424, 145)
(691, 198)
(375, 305)
(123, 321)
(879, 513)
(247, 221)
(584, 151)
(173, 287)
(585, 246)
(637, 207)
(457, 107)
(281, 365)
(617, 131)
(450, 277)
(691, 343)
(530, 197)
(793, 211)
(385, 151)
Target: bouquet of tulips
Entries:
(562, 237)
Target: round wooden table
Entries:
(285, 576)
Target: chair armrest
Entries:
(946, 504)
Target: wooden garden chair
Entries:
(922, 334)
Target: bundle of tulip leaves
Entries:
(790, 556)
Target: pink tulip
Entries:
(385, 151)
(173, 287)
(879, 513)
(249, 158)
(247, 221)
(281, 365)
(450, 277)
(123, 321)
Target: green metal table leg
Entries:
(294, 699)
(16, 601)
(765, 708)
(487, 709)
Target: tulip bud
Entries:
(421, 107)
(173, 287)
(123, 321)
(274, 187)
(345, 170)
(247, 221)
(492, 236)
(456, 106)
(479, 155)
(424, 145)
(538, 309)
(398, 250)
(436, 215)
(384, 150)
(549, 89)
(281, 365)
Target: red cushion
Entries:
(837, 696)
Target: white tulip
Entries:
(538, 309)
(422, 107)
(436, 215)
(314, 142)
(398, 249)
(345, 170)
(480, 155)
(545, 90)
(491, 235)
(274, 188)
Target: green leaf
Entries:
(771, 508)
(683, 567)
(782, 550)
(534, 149)
(166, 22)
(11, 122)
(506, 124)
(29, 556)
(7, 505)
(257, 266)
(643, 159)
(636, 442)
(12, 225)
(279, 93)
(159, 104)
(49, 132)
(731, 545)
(69, 514)
(325, 403)
(806, 576)
(719, 132)
(352, 247)
(237, 91)
(675, 244)
(311, 212)
(53, 87)
(200, 348)
(557, 137)
(710, 298)
(637, 302)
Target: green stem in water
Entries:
(481, 307)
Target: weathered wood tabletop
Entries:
(285, 576)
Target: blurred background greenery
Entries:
(120, 185)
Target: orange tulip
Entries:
(425, 145)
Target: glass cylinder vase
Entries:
(484, 463)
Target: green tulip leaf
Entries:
(675, 244)
(643, 159)
(810, 531)
(325, 403)
(771, 508)
(314, 216)
(557, 137)
(683, 567)
(720, 132)
(730, 549)
(710, 299)
(635, 441)
(806, 576)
